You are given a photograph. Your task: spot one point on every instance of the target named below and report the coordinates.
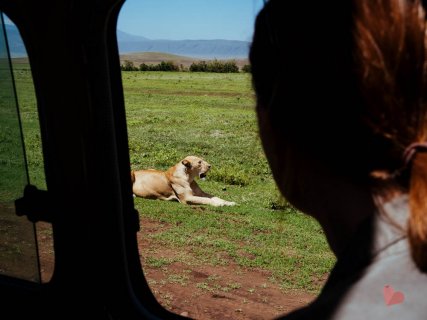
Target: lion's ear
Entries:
(186, 163)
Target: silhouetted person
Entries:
(341, 92)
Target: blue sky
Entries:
(190, 19)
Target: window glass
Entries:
(18, 249)
(187, 86)
(31, 131)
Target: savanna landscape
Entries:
(256, 260)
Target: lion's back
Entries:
(151, 184)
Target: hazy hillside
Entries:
(128, 43)
(157, 57)
(207, 49)
(126, 37)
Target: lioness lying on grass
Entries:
(176, 184)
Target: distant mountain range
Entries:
(221, 49)
(129, 43)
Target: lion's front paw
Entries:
(220, 202)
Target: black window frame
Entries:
(73, 53)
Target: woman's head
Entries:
(341, 88)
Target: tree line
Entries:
(219, 66)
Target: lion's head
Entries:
(196, 167)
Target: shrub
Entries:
(201, 66)
(144, 67)
(167, 66)
(230, 66)
(247, 68)
(162, 66)
(215, 66)
(128, 66)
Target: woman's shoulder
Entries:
(389, 288)
(375, 275)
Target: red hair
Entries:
(390, 39)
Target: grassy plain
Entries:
(174, 114)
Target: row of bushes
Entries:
(201, 66)
(215, 66)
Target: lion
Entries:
(176, 184)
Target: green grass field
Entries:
(30, 123)
(174, 114)
(171, 115)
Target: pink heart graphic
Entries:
(391, 296)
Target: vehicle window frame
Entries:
(85, 149)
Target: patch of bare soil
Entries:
(197, 290)
(18, 254)
(46, 250)
(202, 291)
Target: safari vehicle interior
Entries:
(97, 270)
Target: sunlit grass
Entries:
(174, 114)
